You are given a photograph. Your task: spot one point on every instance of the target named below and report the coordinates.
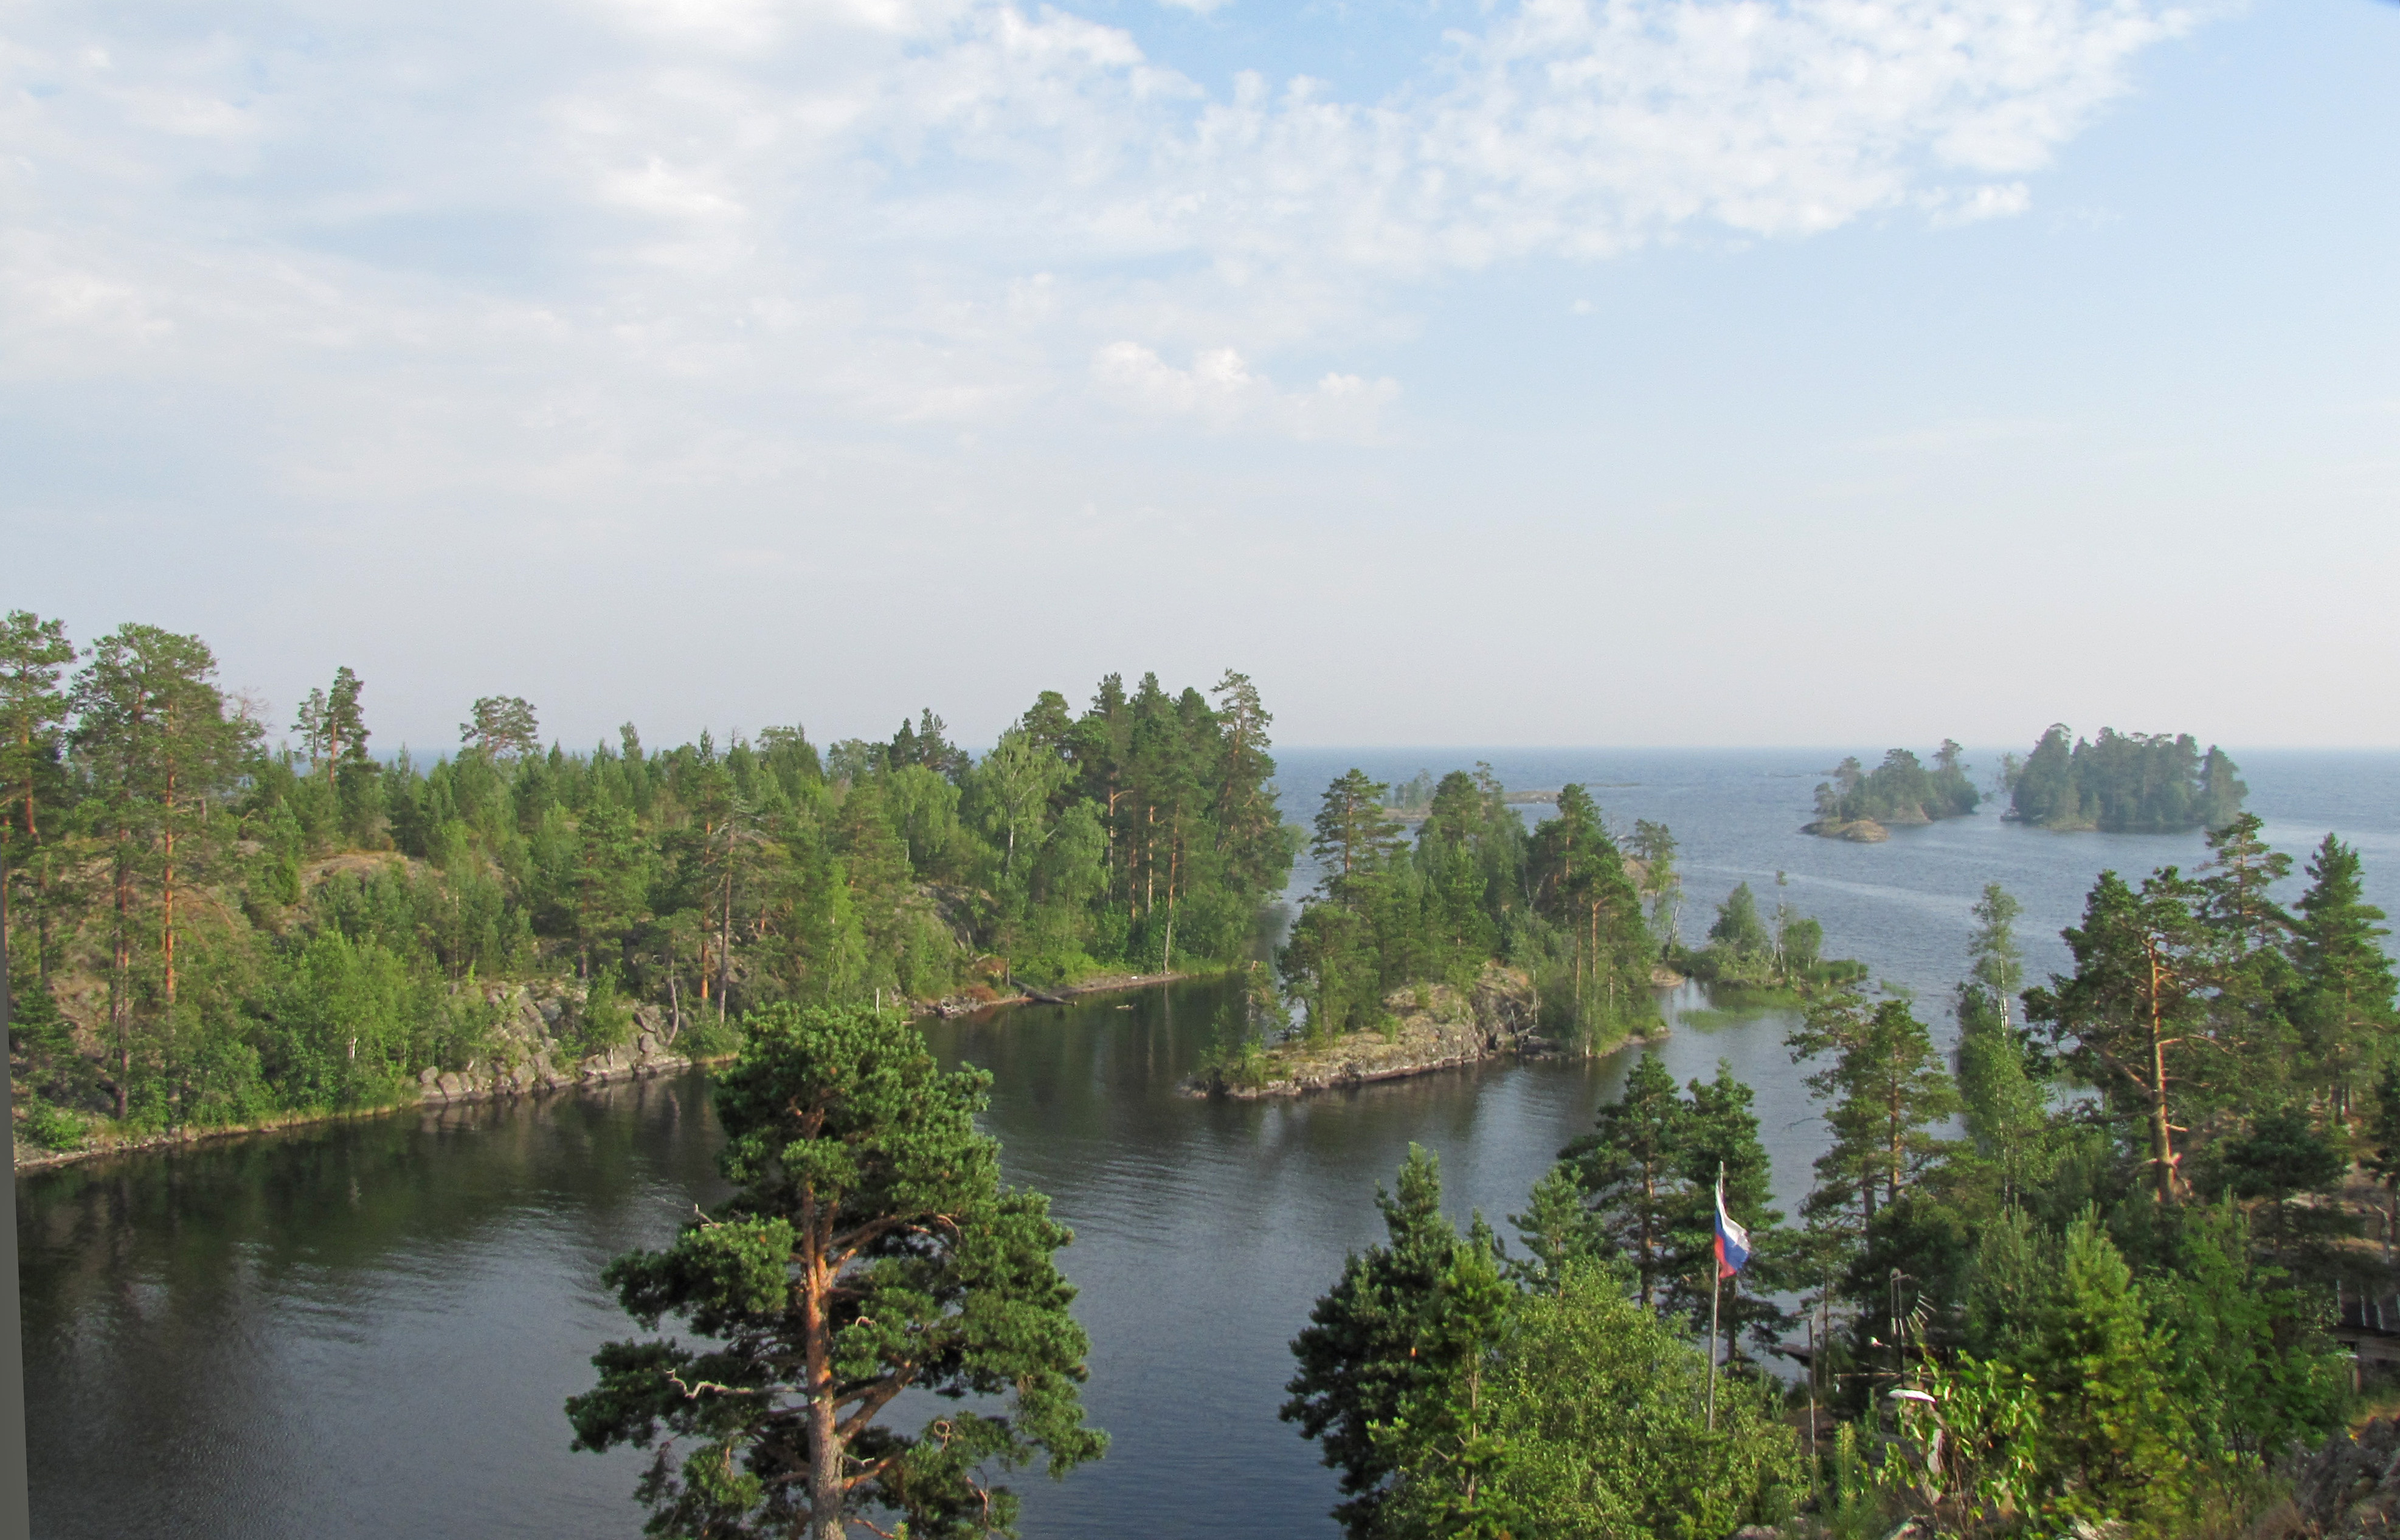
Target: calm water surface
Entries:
(367, 1329)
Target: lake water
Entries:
(367, 1329)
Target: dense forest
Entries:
(1901, 790)
(2127, 782)
(1588, 915)
(210, 922)
(2077, 1280)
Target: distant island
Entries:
(2123, 783)
(1410, 801)
(1858, 803)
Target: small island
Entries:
(2123, 783)
(1479, 939)
(1425, 1028)
(1860, 805)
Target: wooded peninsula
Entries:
(211, 924)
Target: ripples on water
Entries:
(368, 1329)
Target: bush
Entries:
(50, 1127)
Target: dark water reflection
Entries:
(358, 1331)
(367, 1330)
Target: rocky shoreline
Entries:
(1859, 831)
(1434, 1028)
(977, 1001)
(527, 1063)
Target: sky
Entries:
(1631, 372)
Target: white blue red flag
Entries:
(1733, 1241)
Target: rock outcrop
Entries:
(1859, 831)
(2347, 1490)
(525, 1054)
(1431, 1027)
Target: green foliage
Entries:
(1887, 1091)
(1359, 1356)
(1475, 889)
(869, 1246)
(1901, 790)
(48, 1127)
(1460, 1397)
(2126, 782)
(1630, 1170)
(189, 877)
(1594, 1408)
(2110, 1431)
(1764, 959)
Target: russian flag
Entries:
(1733, 1241)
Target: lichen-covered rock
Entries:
(1429, 1026)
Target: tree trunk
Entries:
(725, 941)
(825, 1490)
(1173, 852)
(120, 980)
(2161, 1127)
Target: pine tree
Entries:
(1354, 840)
(2236, 891)
(504, 728)
(1888, 1089)
(1632, 1171)
(1459, 928)
(153, 738)
(1580, 885)
(610, 864)
(1442, 1437)
(2108, 1428)
(869, 1247)
(1359, 1355)
(33, 654)
(1559, 1231)
(2136, 1015)
(2344, 1005)
(1721, 1136)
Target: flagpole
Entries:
(1717, 1285)
(1714, 1287)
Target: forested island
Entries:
(1857, 803)
(2105, 1307)
(1480, 937)
(210, 923)
(2124, 782)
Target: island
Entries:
(2123, 783)
(1860, 805)
(1480, 939)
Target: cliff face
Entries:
(1434, 1027)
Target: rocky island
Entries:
(1860, 805)
(1429, 1026)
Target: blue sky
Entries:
(1648, 372)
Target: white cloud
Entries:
(1221, 392)
(1968, 205)
(717, 219)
